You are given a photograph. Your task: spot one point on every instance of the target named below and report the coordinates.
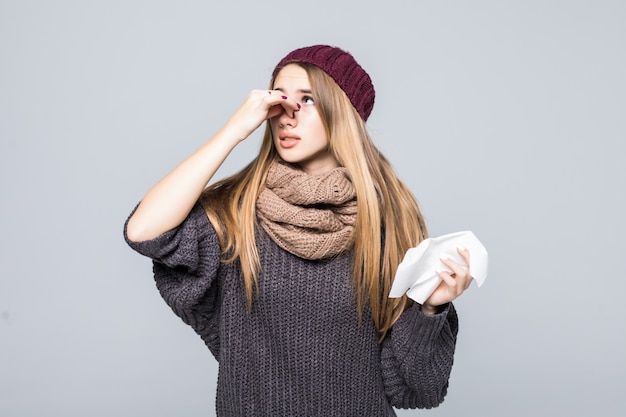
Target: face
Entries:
(300, 138)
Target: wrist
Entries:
(429, 310)
(232, 133)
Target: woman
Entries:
(284, 269)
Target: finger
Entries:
(447, 278)
(457, 269)
(280, 97)
(276, 98)
(273, 96)
(455, 285)
(274, 102)
(290, 106)
(460, 274)
(468, 283)
(465, 254)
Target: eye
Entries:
(308, 100)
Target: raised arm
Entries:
(167, 204)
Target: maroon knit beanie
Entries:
(343, 68)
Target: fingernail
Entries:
(299, 106)
(284, 97)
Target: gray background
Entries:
(504, 117)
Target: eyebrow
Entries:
(302, 91)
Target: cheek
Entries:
(320, 132)
(314, 123)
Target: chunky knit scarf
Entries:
(311, 216)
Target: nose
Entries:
(288, 119)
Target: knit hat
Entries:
(343, 68)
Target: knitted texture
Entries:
(343, 68)
(301, 349)
(311, 216)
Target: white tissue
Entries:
(417, 273)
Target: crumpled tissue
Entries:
(417, 273)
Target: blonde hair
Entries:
(389, 221)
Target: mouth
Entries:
(288, 137)
(288, 140)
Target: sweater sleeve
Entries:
(185, 263)
(417, 356)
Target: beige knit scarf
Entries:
(311, 216)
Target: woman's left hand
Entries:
(452, 285)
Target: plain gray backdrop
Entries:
(507, 118)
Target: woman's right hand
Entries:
(168, 203)
(259, 106)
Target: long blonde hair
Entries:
(389, 221)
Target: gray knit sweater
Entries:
(301, 350)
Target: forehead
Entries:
(293, 76)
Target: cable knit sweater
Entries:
(301, 350)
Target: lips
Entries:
(286, 136)
(288, 140)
